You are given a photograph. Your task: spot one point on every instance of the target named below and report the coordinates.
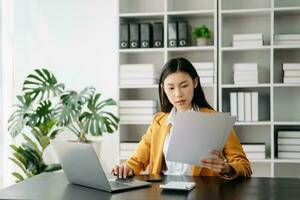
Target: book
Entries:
(283, 147)
(287, 42)
(287, 37)
(203, 65)
(291, 66)
(245, 73)
(254, 106)
(246, 82)
(241, 106)
(137, 67)
(248, 36)
(128, 111)
(291, 79)
(206, 72)
(137, 75)
(136, 117)
(255, 155)
(288, 141)
(250, 43)
(128, 145)
(248, 109)
(289, 134)
(289, 155)
(143, 81)
(245, 67)
(254, 147)
(233, 104)
(206, 80)
(291, 73)
(137, 103)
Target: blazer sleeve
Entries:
(141, 156)
(236, 157)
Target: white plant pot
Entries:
(202, 41)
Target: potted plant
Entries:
(202, 35)
(34, 117)
(46, 109)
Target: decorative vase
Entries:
(202, 41)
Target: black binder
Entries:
(172, 34)
(124, 36)
(145, 35)
(134, 37)
(183, 33)
(158, 34)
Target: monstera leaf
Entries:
(42, 83)
(21, 116)
(96, 121)
(71, 105)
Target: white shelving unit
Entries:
(196, 13)
(278, 102)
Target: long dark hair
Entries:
(181, 65)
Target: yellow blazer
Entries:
(149, 152)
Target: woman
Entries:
(180, 91)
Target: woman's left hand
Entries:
(218, 163)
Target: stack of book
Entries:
(127, 149)
(287, 39)
(291, 72)
(138, 74)
(248, 40)
(255, 150)
(244, 105)
(245, 73)
(137, 110)
(288, 144)
(205, 71)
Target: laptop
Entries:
(81, 165)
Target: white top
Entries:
(175, 168)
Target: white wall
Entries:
(76, 40)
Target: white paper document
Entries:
(195, 133)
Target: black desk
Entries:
(55, 186)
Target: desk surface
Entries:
(55, 186)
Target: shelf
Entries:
(192, 13)
(191, 48)
(142, 15)
(285, 85)
(137, 86)
(287, 11)
(260, 160)
(247, 12)
(287, 123)
(259, 123)
(286, 46)
(141, 50)
(245, 86)
(277, 160)
(245, 48)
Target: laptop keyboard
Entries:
(121, 183)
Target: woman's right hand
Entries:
(122, 171)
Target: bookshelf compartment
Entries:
(255, 134)
(286, 3)
(156, 58)
(284, 56)
(179, 5)
(286, 104)
(133, 132)
(245, 24)
(261, 169)
(286, 22)
(194, 21)
(261, 57)
(244, 4)
(194, 56)
(141, 6)
(139, 94)
(263, 101)
(287, 170)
